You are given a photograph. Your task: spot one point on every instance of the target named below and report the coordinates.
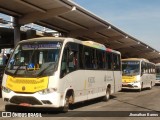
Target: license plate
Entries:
(125, 83)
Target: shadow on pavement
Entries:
(133, 91)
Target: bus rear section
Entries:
(137, 74)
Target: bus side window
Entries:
(73, 62)
(80, 57)
(142, 68)
(108, 61)
(116, 62)
(69, 61)
(88, 57)
(100, 59)
(94, 59)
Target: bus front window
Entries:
(130, 68)
(34, 59)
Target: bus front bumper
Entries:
(157, 82)
(34, 100)
(135, 86)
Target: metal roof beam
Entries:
(105, 36)
(42, 23)
(156, 58)
(143, 52)
(83, 32)
(118, 37)
(124, 45)
(36, 16)
(71, 22)
(9, 12)
(30, 5)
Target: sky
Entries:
(138, 18)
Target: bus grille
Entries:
(127, 86)
(23, 99)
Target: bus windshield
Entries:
(32, 59)
(130, 68)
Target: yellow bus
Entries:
(57, 72)
(137, 73)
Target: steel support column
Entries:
(16, 26)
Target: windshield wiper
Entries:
(40, 73)
(18, 68)
(29, 61)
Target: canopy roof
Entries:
(72, 20)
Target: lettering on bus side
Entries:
(91, 80)
(109, 78)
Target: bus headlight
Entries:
(47, 91)
(6, 89)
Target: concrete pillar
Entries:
(16, 31)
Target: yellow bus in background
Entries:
(137, 73)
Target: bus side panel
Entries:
(146, 80)
(79, 85)
(95, 83)
(152, 79)
(76, 81)
(89, 84)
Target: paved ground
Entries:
(121, 104)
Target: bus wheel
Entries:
(66, 104)
(107, 96)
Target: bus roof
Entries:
(99, 46)
(87, 43)
(138, 59)
(158, 64)
(42, 39)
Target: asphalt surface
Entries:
(126, 105)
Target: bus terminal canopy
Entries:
(72, 20)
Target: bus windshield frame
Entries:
(130, 68)
(34, 59)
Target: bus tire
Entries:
(107, 96)
(66, 105)
(68, 101)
